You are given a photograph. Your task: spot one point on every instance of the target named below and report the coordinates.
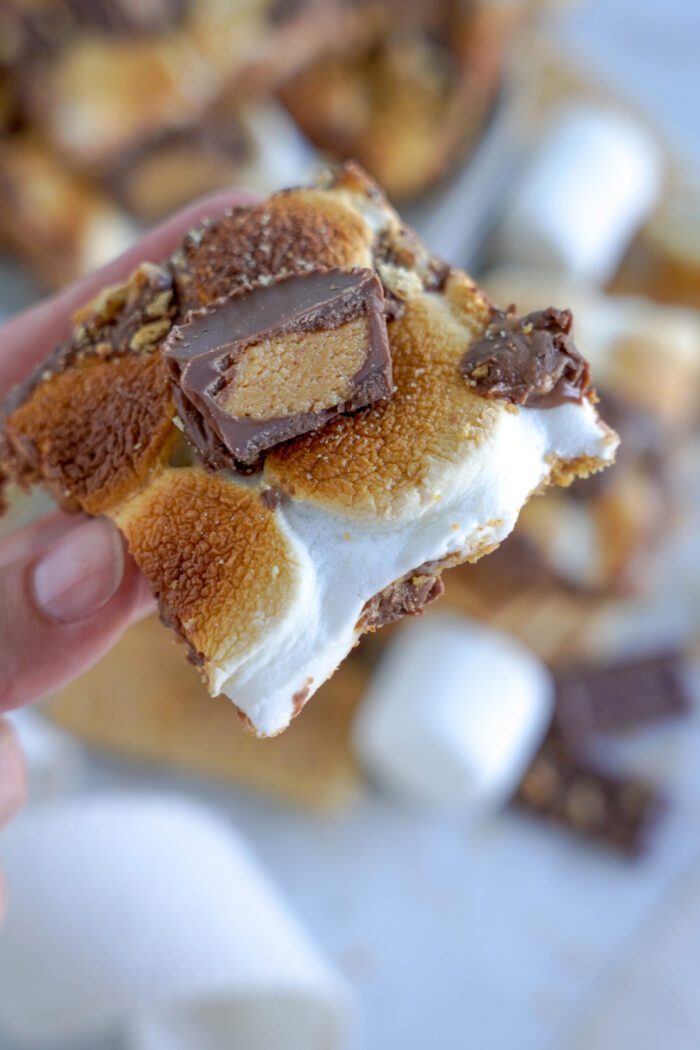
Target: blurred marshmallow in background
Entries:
(591, 181)
(453, 715)
(145, 914)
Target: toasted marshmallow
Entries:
(271, 578)
(344, 562)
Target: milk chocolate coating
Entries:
(528, 360)
(569, 789)
(407, 597)
(614, 698)
(203, 353)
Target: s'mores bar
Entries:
(663, 261)
(294, 421)
(114, 79)
(411, 100)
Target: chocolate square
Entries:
(615, 698)
(278, 360)
(577, 793)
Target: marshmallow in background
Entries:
(281, 156)
(146, 913)
(453, 714)
(583, 195)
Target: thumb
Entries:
(63, 606)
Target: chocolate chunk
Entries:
(528, 360)
(571, 791)
(122, 319)
(407, 597)
(278, 360)
(618, 697)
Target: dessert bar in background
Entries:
(412, 100)
(663, 261)
(116, 110)
(141, 108)
(59, 223)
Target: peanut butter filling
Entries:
(298, 372)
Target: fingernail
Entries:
(81, 572)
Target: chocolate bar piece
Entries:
(279, 360)
(570, 790)
(528, 360)
(618, 697)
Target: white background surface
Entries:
(499, 937)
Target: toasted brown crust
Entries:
(97, 431)
(95, 419)
(215, 558)
(380, 461)
(292, 233)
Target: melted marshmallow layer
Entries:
(343, 562)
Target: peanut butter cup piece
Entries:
(278, 360)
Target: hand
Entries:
(68, 587)
(12, 784)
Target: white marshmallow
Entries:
(344, 561)
(583, 195)
(453, 715)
